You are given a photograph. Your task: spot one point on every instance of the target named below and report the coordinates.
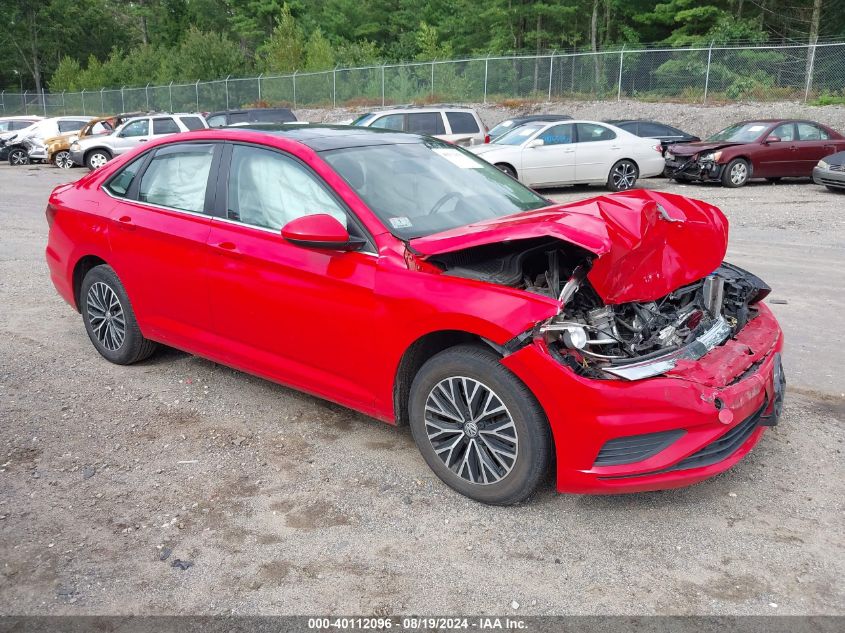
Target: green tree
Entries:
(318, 52)
(66, 75)
(284, 50)
(203, 56)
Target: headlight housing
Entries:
(711, 157)
(823, 165)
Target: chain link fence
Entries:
(691, 75)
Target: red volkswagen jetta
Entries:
(404, 277)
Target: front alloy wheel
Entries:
(18, 157)
(478, 427)
(736, 173)
(97, 159)
(471, 430)
(63, 160)
(623, 176)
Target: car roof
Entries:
(538, 117)
(323, 137)
(234, 110)
(31, 117)
(418, 108)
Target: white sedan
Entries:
(548, 154)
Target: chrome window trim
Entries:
(152, 205)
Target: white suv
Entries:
(96, 151)
(461, 126)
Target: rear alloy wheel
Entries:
(510, 171)
(110, 320)
(623, 175)
(97, 159)
(18, 157)
(63, 160)
(736, 173)
(478, 427)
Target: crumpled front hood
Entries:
(688, 149)
(646, 243)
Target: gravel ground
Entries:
(701, 120)
(284, 504)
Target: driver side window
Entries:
(785, 132)
(557, 135)
(268, 189)
(136, 128)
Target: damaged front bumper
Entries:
(683, 168)
(703, 414)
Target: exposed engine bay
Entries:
(629, 340)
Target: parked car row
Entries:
(81, 140)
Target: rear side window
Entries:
(810, 132)
(217, 121)
(177, 177)
(426, 123)
(589, 132)
(165, 126)
(192, 122)
(119, 185)
(71, 126)
(20, 125)
(238, 117)
(273, 116)
(462, 123)
(654, 129)
(390, 122)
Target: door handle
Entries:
(142, 140)
(125, 222)
(228, 248)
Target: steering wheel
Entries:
(443, 200)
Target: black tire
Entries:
(835, 189)
(132, 346)
(94, 157)
(18, 157)
(623, 175)
(510, 171)
(62, 159)
(533, 441)
(736, 173)
(774, 179)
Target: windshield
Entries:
(519, 135)
(418, 189)
(740, 133)
(363, 119)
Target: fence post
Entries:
(707, 74)
(23, 98)
(259, 85)
(551, 73)
(3, 96)
(432, 76)
(334, 87)
(64, 108)
(810, 71)
(197, 88)
(147, 95)
(486, 61)
(122, 100)
(170, 89)
(83, 102)
(44, 101)
(294, 88)
(619, 84)
(382, 85)
(102, 102)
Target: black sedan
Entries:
(508, 124)
(830, 172)
(666, 134)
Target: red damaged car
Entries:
(771, 149)
(404, 277)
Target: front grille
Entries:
(724, 446)
(837, 168)
(635, 448)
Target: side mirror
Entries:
(320, 231)
(771, 138)
(537, 142)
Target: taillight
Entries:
(51, 214)
(658, 148)
(486, 138)
(420, 265)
